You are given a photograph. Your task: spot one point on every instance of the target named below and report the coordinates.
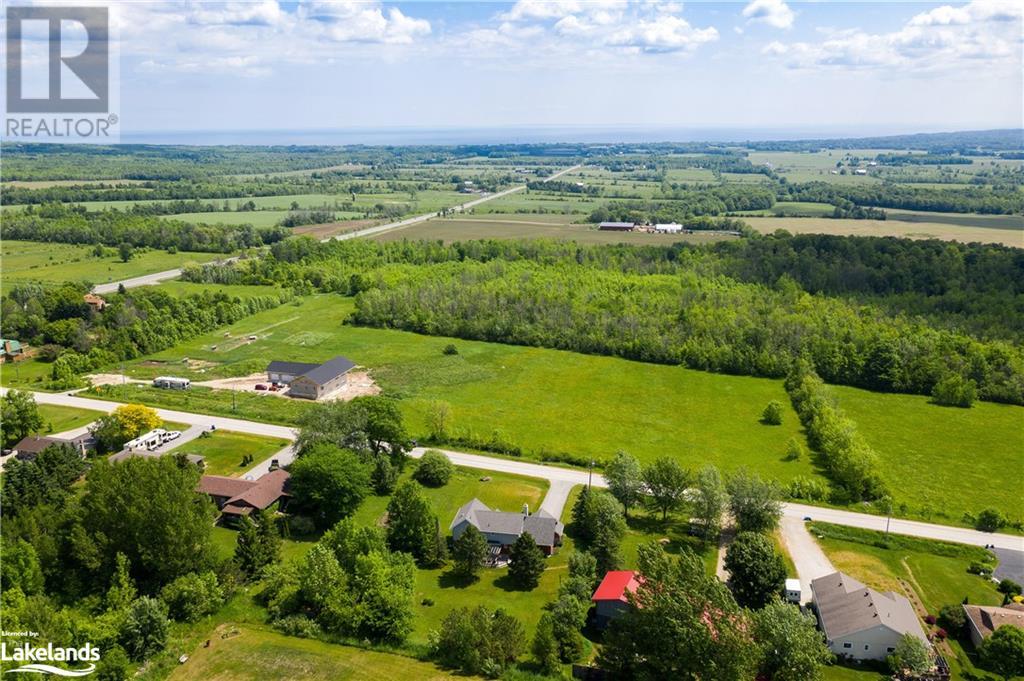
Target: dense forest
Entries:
(729, 308)
(71, 225)
(889, 195)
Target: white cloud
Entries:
(946, 37)
(772, 12)
(663, 34)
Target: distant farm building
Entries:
(983, 620)
(668, 228)
(311, 381)
(10, 350)
(236, 498)
(610, 597)
(860, 623)
(501, 529)
(616, 226)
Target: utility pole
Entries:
(590, 474)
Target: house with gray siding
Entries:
(311, 381)
(501, 529)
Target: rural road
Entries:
(567, 477)
(370, 231)
(148, 279)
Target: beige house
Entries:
(860, 623)
(311, 381)
(983, 620)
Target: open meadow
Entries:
(550, 403)
(51, 263)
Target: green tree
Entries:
(478, 641)
(709, 636)
(114, 665)
(46, 479)
(526, 562)
(757, 572)
(794, 450)
(384, 475)
(328, 483)
(258, 544)
(145, 628)
(954, 390)
(625, 480)
(666, 483)
(19, 417)
(952, 618)
(545, 647)
(911, 654)
(772, 414)
(411, 521)
(469, 552)
(709, 502)
(568, 615)
(437, 549)
(148, 509)
(122, 591)
(754, 503)
(21, 568)
(791, 647)
(125, 251)
(434, 469)
(990, 520)
(384, 585)
(1003, 652)
(191, 597)
(439, 419)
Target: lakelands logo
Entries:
(38, 657)
(59, 74)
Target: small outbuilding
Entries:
(616, 226)
(668, 228)
(610, 598)
(793, 591)
(10, 350)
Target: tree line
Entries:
(55, 223)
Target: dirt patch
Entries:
(333, 228)
(153, 363)
(113, 379)
(359, 383)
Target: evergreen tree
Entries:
(469, 552)
(526, 561)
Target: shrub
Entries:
(192, 597)
(145, 628)
(954, 391)
(450, 349)
(1009, 588)
(990, 520)
(772, 414)
(299, 626)
(952, 618)
(434, 469)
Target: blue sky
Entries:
(766, 64)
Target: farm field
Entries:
(223, 451)
(54, 263)
(527, 395)
(913, 436)
(252, 652)
(519, 226)
(996, 229)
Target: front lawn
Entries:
(224, 450)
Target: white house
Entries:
(668, 228)
(859, 622)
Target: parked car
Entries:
(807, 518)
(172, 435)
(274, 388)
(261, 386)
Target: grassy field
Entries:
(52, 263)
(57, 419)
(525, 226)
(937, 458)
(223, 451)
(527, 394)
(248, 652)
(995, 229)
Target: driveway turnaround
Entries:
(811, 562)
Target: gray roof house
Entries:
(859, 622)
(311, 381)
(501, 529)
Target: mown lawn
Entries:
(223, 451)
(57, 419)
(244, 652)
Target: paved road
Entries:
(370, 231)
(811, 562)
(148, 279)
(574, 477)
(222, 422)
